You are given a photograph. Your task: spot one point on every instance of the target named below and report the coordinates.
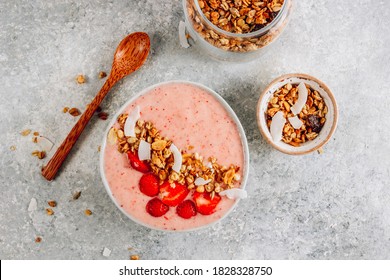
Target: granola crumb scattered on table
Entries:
(88, 212)
(81, 79)
(52, 203)
(25, 132)
(103, 115)
(49, 211)
(102, 75)
(74, 112)
(134, 257)
(38, 239)
(76, 195)
(39, 154)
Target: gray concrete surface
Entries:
(330, 206)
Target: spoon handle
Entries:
(52, 167)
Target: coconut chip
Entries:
(277, 125)
(182, 35)
(33, 205)
(106, 252)
(302, 98)
(295, 122)
(44, 143)
(144, 150)
(234, 193)
(131, 122)
(112, 136)
(178, 159)
(201, 182)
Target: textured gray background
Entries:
(329, 206)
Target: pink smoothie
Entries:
(189, 116)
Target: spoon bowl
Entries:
(130, 55)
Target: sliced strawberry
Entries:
(173, 194)
(204, 204)
(186, 209)
(156, 208)
(136, 163)
(148, 184)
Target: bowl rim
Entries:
(260, 114)
(231, 113)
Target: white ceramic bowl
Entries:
(227, 108)
(331, 117)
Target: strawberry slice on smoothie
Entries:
(148, 185)
(156, 207)
(173, 193)
(136, 163)
(205, 204)
(186, 209)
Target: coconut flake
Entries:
(44, 143)
(144, 150)
(182, 35)
(131, 121)
(209, 165)
(295, 122)
(178, 159)
(33, 205)
(277, 125)
(106, 252)
(201, 182)
(112, 137)
(234, 193)
(302, 98)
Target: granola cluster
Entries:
(239, 17)
(313, 114)
(219, 177)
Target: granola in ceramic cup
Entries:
(236, 30)
(297, 114)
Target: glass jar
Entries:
(228, 46)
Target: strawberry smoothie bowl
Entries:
(175, 157)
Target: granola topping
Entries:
(312, 116)
(192, 167)
(241, 16)
(237, 17)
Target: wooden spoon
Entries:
(129, 56)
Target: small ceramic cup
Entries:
(331, 117)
